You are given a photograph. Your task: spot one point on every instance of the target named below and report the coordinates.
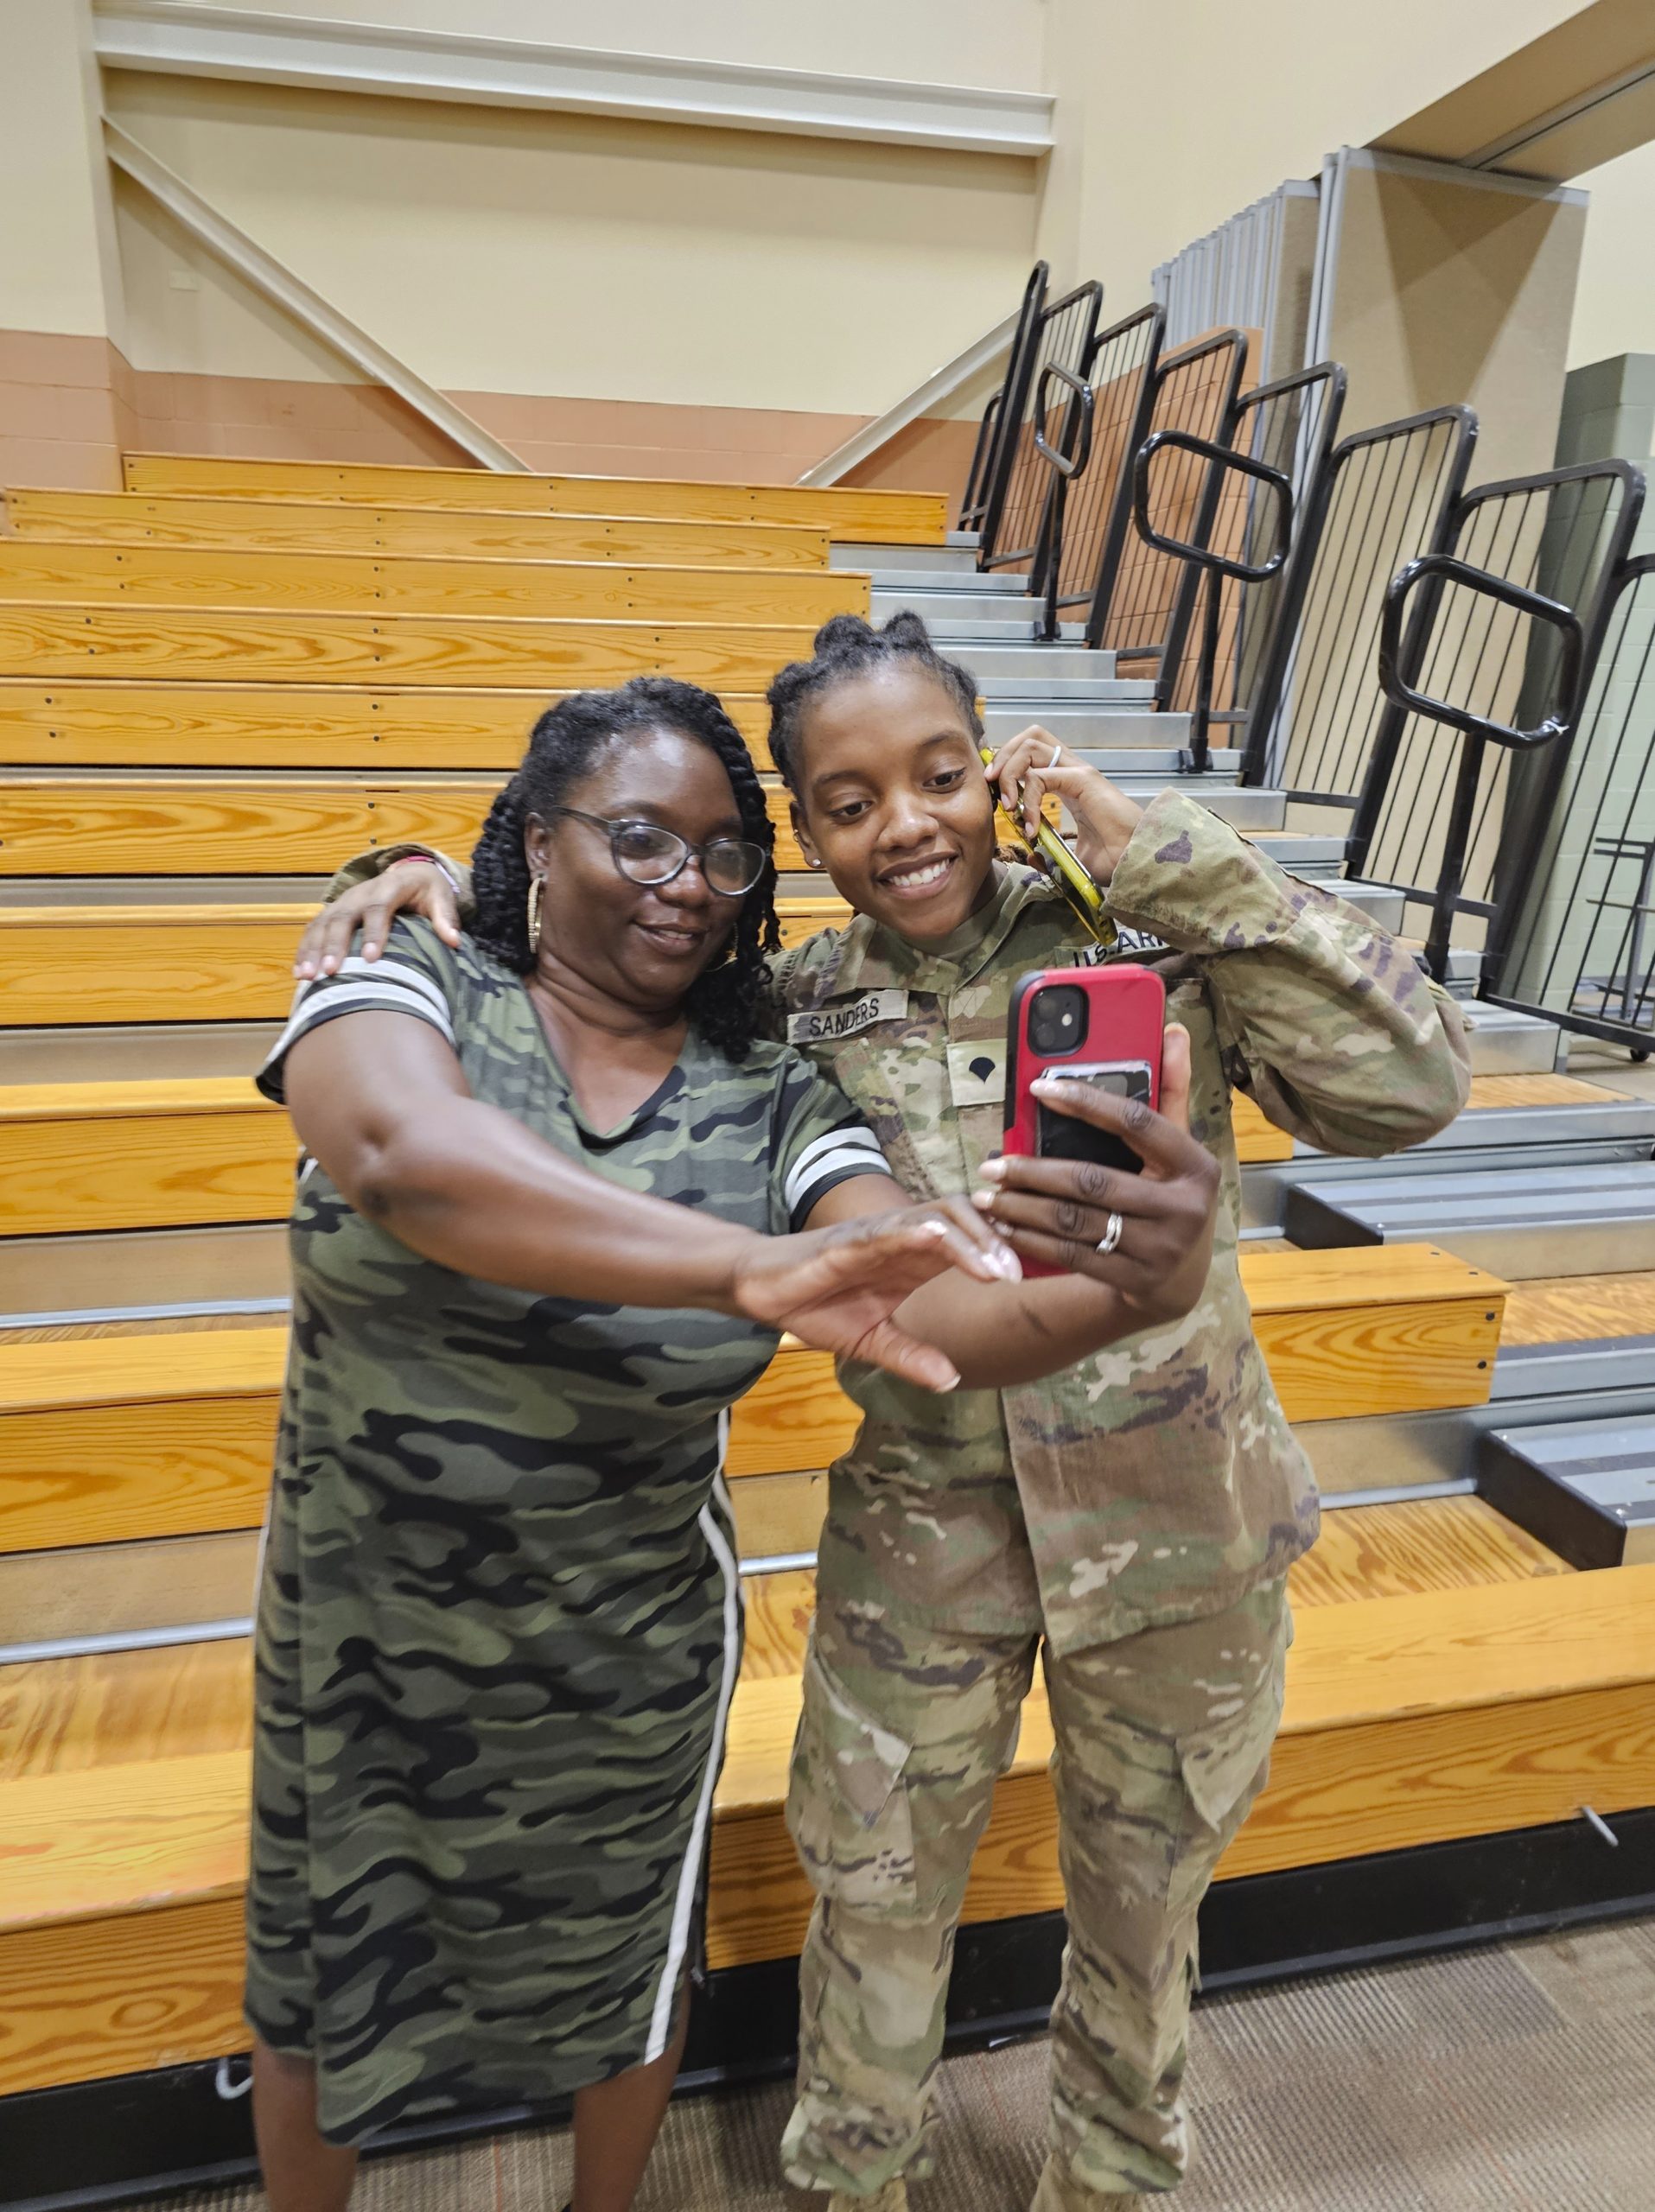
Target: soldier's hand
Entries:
(410, 887)
(1034, 763)
(1061, 1210)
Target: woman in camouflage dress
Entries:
(500, 1620)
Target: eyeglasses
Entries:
(644, 853)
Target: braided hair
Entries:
(846, 646)
(727, 1003)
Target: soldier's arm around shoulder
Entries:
(1328, 1023)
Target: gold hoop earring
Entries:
(536, 892)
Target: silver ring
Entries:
(1114, 1230)
(1057, 750)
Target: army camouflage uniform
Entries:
(1132, 1519)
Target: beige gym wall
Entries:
(1217, 105)
(986, 42)
(1614, 308)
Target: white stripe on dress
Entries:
(662, 2019)
(822, 1155)
(315, 1010)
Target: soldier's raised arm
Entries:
(1322, 1017)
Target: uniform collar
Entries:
(875, 957)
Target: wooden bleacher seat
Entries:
(120, 1437)
(229, 960)
(120, 1934)
(131, 644)
(97, 723)
(156, 825)
(324, 526)
(37, 572)
(888, 518)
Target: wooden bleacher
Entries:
(178, 664)
(109, 518)
(848, 516)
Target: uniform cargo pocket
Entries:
(847, 1803)
(1225, 1764)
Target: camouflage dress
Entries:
(500, 1618)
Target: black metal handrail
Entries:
(1209, 560)
(1221, 457)
(985, 487)
(1143, 607)
(1067, 465)
(1533, 604)
(1530, 575)
(1384, 495)
(1571, 939)
(1086, 542)
(1014, 527)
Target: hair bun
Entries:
(841, 632)
(906, 629)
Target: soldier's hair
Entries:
(729, 1002)
(844, 647)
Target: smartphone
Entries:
(1083, 1024)
(1072, 880)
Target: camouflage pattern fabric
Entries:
(500, 1620)
(1162, 1743)
(1158, 1480)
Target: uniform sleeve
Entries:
(1327, 1020)
(364, 866)
(412, 975)
(821, 1140)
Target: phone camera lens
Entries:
(1057, 1019)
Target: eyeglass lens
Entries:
(651, 855)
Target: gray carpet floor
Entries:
(1520, 2078)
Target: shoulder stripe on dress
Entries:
(829, 1156)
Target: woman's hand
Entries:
(1058, 1211)
(837, 1288)
(1034, 763)
(408, 888)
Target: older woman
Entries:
(499, 1623)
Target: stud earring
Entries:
(536, 892)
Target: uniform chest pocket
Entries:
(847, 1803)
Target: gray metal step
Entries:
(1301, 852)
(1034, 696)
(1585, 1488)
(1504, 1043)
(1555, 1220)
(1129, 756)
(957, 558)
(1038, 663)
(1246, 809)
(978, 633)
(1086, 727)
(1414, 1451)
(966, 583)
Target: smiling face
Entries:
(642, 945)
(895, 803)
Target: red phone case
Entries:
(1126, 1008)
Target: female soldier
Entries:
(1132, 1519)
(500, 1622)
